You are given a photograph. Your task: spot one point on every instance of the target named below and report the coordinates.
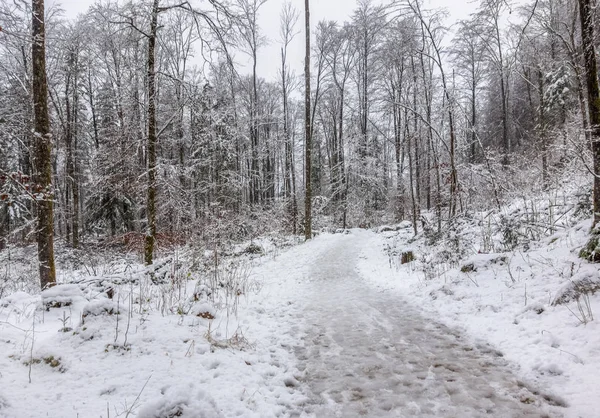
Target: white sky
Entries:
(269, 55)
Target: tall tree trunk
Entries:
(505, 137)
(72, 189)
(582, 105)
(74, 175)
(542, 129)
(411, 177)
(427, 87)
(591, 67)
(473, 115)
(398, 155)
(93, 109)
(43, 150)
(151, 197)
(307, 129)
(254, 136)
(69, 148)
(340, 159)
(289, 158)
(506, 142)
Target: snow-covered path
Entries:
(319, 340)
(365, 352)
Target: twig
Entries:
(130, 410)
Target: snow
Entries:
(145, 359)
(335, 327)
(181, 401)
(507, 300)
(63, 295)
(99, 307)
(369, 353)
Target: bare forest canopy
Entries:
(407, 116)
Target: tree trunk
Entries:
(289, 156)
(69, 149)
(542, 130)
(43, 150)
(74, 174)
(473, 115)
(254, 136)
(93, 109)
(411, 178)
(72, 189)
(398, 155)
(591, 67)
(307, 129)
(151, 197)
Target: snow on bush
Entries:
(15, 299)
(204, 310)
(582, 283)
(482, 261)
(100, 307)
(61, 295)
(181, 401)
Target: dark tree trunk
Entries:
(151, 198)
(591, 68)
(254, 136)
(43, 150)
(93, 109)
(72, 107)
(307, 129)
(473, 115)
(542, 130)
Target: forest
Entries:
(160, 131)
(209, 212)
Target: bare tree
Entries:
(430, 31)
(289, 18)
(252, 40)
(489, 19)
(340, 58)
(468, 55)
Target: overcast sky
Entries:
(268, 64)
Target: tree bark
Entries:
(593, 90)
(542, 130)
(307, 129)
(290, 194)
(151, 197)
(71, 110)
(43, 150)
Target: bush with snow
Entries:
(61, 295)
(99, 307)
(482, 261)
(586, 282)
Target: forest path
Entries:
(367, 353)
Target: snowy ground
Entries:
(370, 353)
(159, 357)
(330, 328)
(506, 300)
